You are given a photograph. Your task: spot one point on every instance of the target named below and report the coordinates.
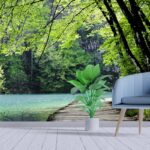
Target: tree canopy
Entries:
(47, 40)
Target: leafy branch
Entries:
(19, 5)
(71, 21)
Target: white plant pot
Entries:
(92, 124)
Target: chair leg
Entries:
(141, 114)
(122, 113)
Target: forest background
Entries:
(44, 42)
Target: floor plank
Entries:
(14, 139)
(131, 139)
(75, 138)
(4, 131)
(68, 139)
(114, 140)
(8, 136)
(87, 142)
(138, 139)
(38, 141)
(50, 140)
(27, 140)
(102, 139)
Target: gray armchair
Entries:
(132, 92)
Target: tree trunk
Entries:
(137, 26)
(122, 36)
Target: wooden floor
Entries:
(61, 138)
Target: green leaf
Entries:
(78, 85)
(91, 72)
(80, 76)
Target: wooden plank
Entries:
(74, 112)
(4, 131)
(145, 131)
(87, 142)
(8, 136)
(50, 140)
(68, 139)
(139, 140)
(74, 139)
(14, 140)
(100, 139)
(114, 141)
(107, 140)
(25, 143)
(130, 139)
(39, 138)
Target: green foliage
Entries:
(24, 116)
(27, 25)
(24, 75)
(113, 47)
(92, 86)
(147, 114)
(132, 112)
(2, 80)
(85, 77)
(92, 101)
(59, 65)
(16, 78)
(50, 30)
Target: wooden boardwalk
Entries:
(65, 138)
(74, 112)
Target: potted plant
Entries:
(92, 86)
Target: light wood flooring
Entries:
(73, 138)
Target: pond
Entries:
(33, 107)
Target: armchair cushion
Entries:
(136, 100)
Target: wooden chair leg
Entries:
(141, 114)
(122, 113)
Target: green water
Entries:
(32, 107)
(33, 102)
(14, 107)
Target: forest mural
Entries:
(44, 42)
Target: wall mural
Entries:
(57, 54)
